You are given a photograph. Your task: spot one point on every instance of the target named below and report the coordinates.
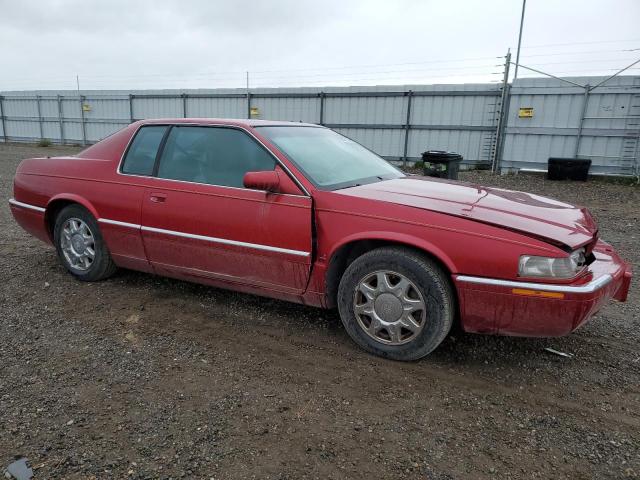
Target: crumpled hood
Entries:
(523, 212)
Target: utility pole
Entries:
(78, 83)
(248, 98)
(515, 73)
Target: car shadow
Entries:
(252, 311)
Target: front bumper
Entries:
(542, 309)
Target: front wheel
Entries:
(80, 245)
(396, 303)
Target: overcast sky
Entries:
(212, 43)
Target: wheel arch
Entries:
(350, 248)
(60, 201)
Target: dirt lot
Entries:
(145, 377)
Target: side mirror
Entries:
(266, 180)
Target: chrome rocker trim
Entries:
(592, 286)
(15, 202)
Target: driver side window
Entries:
(212, 155)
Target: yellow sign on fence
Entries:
(525, 112)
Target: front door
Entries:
(198, 219)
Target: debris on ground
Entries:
(558, 352)
(19, 470)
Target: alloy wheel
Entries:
(78, 244)
(389, 307)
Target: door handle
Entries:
(157, 197)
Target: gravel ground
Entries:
(146, 377)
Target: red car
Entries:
(298, 212)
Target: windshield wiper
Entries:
(348, 186)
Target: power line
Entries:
(582, 43)
(556, 54)
(379, 65)
(591, 71)
(607, 60)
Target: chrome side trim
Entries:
(590, 287)
(13, 201)
(120, 224)
(225, 241)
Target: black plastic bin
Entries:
(441, 164)
(568, 168)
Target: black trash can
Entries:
(568, 169)
(441, 164)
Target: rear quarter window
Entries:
(141, 155)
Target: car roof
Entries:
(241, 122)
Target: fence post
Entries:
(407, 129)
(322, 96)
(587, 90)
(4, 125)
(39, 116)
(131, 119)
(503, 112)
(82, 120)
(60, 122)
(248, 104)
(184, 105)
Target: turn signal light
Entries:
(537, 293)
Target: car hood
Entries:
(523, 212)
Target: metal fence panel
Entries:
(20, 106)
(112, 108)
(398, 122)
(21, 129)
(200, 107)
(71, 107)
(608, 132)
(453, 110)
(49, 107)
(50, 130)
(290, 109)
(365, 110)
(156, 107)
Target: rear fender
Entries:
(71, 197)
(53, 206)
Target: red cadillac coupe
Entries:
(298, 212)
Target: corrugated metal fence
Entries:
(396, 122)
(603, 125)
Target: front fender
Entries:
(399, 238)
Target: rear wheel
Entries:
(80, 245)
(396, 303)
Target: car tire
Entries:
(80, 246)
(396, 303)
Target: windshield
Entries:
(329, 160)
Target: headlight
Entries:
(566, 267)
